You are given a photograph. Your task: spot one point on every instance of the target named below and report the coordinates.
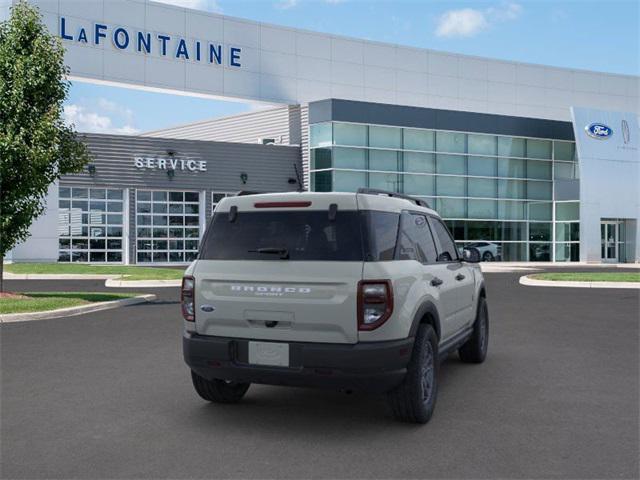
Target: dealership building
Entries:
(528, 162)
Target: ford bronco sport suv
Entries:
(353, 291)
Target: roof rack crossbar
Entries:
(375, 191)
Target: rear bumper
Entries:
(372, 367)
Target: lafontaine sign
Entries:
(160, 44)
(172, 163)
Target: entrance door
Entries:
(609, 241)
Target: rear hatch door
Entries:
(272, 269)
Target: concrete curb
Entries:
(112, 281)
(79, 310)
(116, 283)
(532, 282)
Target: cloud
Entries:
(207, 5)
(467, 22)
(104, 117)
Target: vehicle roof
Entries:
(322, 201)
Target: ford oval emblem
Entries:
(599, 131)
(207, 308)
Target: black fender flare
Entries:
(426, 308)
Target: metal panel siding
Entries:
(281, 124)
(304, 146)
(268, 166)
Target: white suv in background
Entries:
(352, 291)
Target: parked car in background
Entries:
(489, 251)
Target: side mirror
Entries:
(471, 255)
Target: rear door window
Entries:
(380, 232)
(276, 235)
(447, 251)
(414, 240)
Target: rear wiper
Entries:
(283, 252)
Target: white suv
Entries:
(353, 291)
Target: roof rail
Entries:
(375, 191)
(242, 193)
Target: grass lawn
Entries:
(129, 272)
(43, 301)
(589, 276)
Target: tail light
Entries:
(375, 303)
(187, 298)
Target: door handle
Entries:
(436, 282)
(460, 277)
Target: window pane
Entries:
(320, 158)
(511, 167)
(385, 137)
(483, 144)
(349, 134)
(348, 181)
(539, 190)
(511, 189)
(322, 181)
(511, 210)
(114, 194)
(539, 252)
(64, 192)
(567, 252)
(482, 187)
(450, 186)
(143, 196)
(191, 197)
(451, 207)
(383, 160)
(567, 211)
(419, 162)
(538, 148)
(567, 232)
(539, 211)
(483, 166)
(385, 181)
(539, 232)
(540, 170)
(483, 209)
(418, 184)
(564, 150)
(349, 158)
(510, 147)
(565, 171)
(419, 139)
(79, 192)
(98, 193)
(511, 231)
(320, 134)
(481, 231)
(454, 164)
(450, 142)
(162, 196)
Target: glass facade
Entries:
(90, 225)
(167, 226)
(493, 189)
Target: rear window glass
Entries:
(275, 235)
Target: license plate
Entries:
(269, 353)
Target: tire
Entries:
(414, 400)
(219, 391)
(488, 257)
(474, 350)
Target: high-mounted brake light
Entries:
(282, 204)
(375, 303)
(187, 298)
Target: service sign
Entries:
(171, 163)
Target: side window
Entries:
(447, 251)
(415, 241)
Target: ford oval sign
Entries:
(599, 131)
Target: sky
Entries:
(601, 35)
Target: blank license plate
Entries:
(269, 353)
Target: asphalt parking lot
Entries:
(107, 395)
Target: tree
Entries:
(36, 146)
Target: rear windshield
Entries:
(276, 235)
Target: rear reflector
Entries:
(282, 204)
